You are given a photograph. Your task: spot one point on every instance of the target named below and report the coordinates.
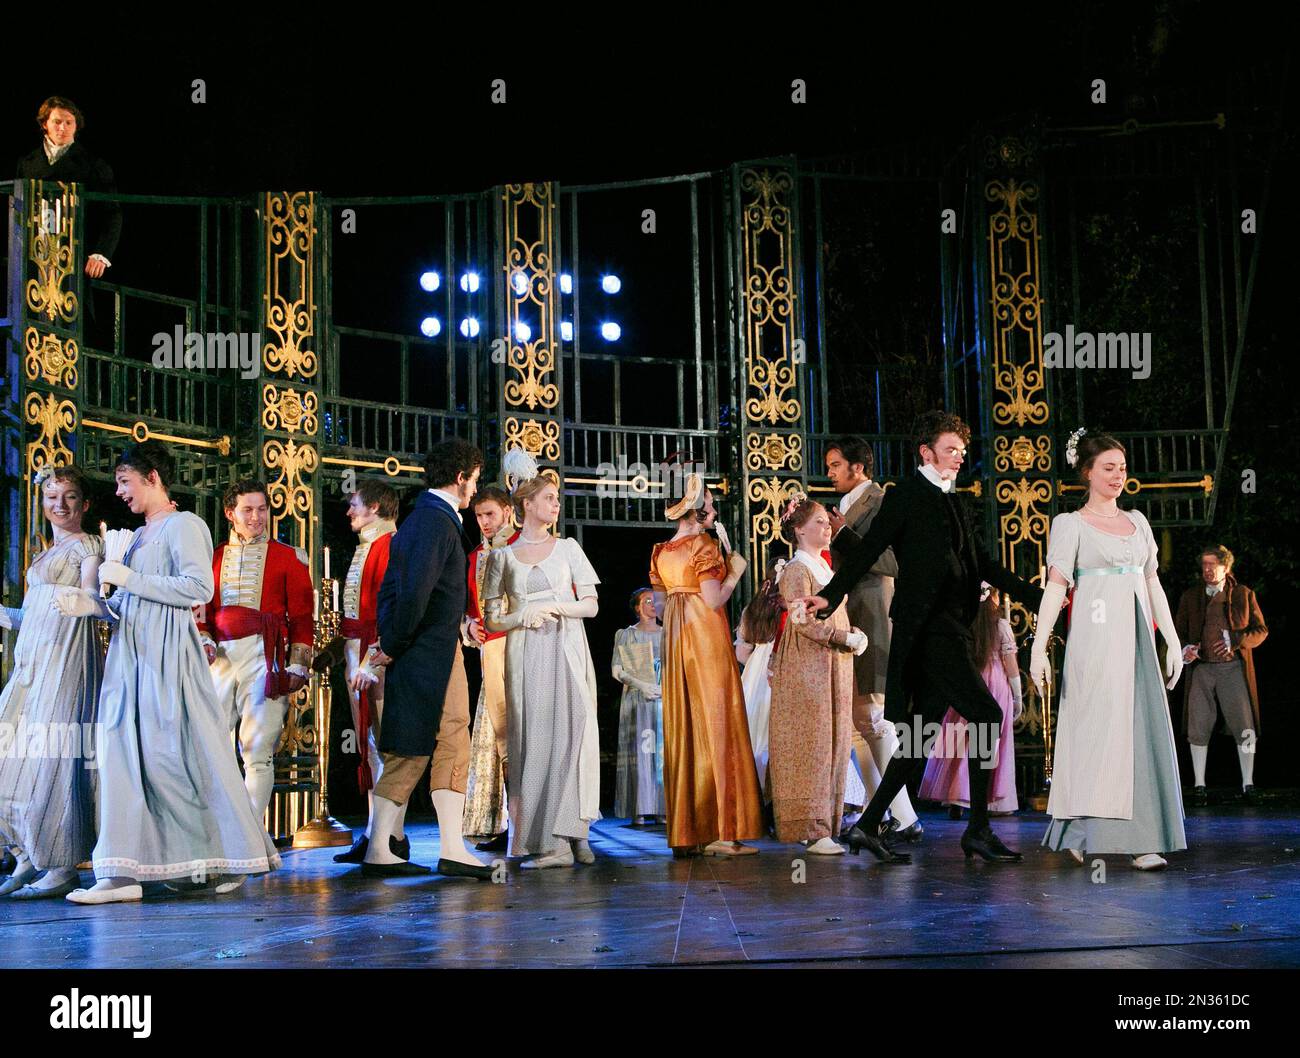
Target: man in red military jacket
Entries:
(372, 513)
(485, 817)
(257, 631)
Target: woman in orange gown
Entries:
(710, 785)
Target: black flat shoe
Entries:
(987, 846)
(858, 840)
(1250, 795)
(1200, 797)
(400, 849)
(496, 844)
(355, 854)
(954, 811)
(456, 869)
(907, 836)
(8, 863)
(392, 870)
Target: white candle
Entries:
(1042, 576)
(327, 563)
(315, 603)
(103, 530)
(334, 587)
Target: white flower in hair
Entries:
(519, 465)
(797, 497)
(43, 475)
(1072, 446)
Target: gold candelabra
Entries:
(324, 830)
(1039, 801)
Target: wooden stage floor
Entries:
(1232, 900)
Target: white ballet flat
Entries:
(562, 857)
(1150, 862)
(582, 852)
(825, 847)
(1076, 855)
(122, 894)
(728, 848)
(230, 883)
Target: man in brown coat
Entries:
(1221, 624)
(850, 464)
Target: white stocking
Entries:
(1199, 753)
(450, 807)
(1247, 761)
(383, 822)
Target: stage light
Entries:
(566, 330)
(520, 283)
(469, 282)
(469, 327)
(611, 284)
(611, 332)
(566, 283)
(522, 331)
(430, 281)
(431, 326)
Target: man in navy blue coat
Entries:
(426, 696)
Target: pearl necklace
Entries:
(524, 540)
(1099, 514)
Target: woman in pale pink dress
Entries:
(946, 779)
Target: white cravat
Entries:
(452, 501)
(853, 495)
(932, 476)
(1213, 589)
(53, 152)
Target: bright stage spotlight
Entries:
(520, 283)
(566, 283)
(611, 284)
(522, 331)
(469, 327)
(469, 282)
(430, 281)
(611, 332)
(566, 330)
(431, 326)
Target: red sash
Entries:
(237, 622)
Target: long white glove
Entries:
(75, 602)
(856, 641)
(1018, 692)
(114, 573)
(530, 615)
(1048, 612)
(1165, 622)
(587, 607)
(650, 690)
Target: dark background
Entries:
(403, 107)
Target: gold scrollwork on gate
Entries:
(774, 452)
(769, 296)
(50, 358)
(1016, 303)
(540, 438)
(766, 497)
(288, 409)
(53, 253)
(530, 295)
(290, 225)
(291, 491)
(1022, 529)
(1022, 454)
(54, 418)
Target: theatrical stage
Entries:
(1232, 900)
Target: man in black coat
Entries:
(426, 696)
(60, 157)
(936, 597)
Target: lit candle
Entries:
(315, 603)
(1042, 576)
(327, 563)
(334, 589)
(103, 530)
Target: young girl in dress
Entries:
(946, 779)
(47, 801)
(756, 636)
(639, 786)
(540, 589)
(1115, 786)
(811, 725)
(172, 804)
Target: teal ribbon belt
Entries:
(1102, 571)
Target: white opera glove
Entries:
(1048, 612)
(856, 641)
(1018, 692)
(577, 608)
(75, 602)
(1165, 622)
(114, 573)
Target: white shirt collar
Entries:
(452, 501)
(1213, 589)
(853, 495)
(53, 151)
(237, 541)
(932, 476)
(380, 527)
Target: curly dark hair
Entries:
(378, 493)
(242, 487)
(493, 494)
(147, 456)
(448, 459)
(930, 424)
(855, 450)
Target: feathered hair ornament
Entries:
(520, 466)
(796, 498)
(1072, 446)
